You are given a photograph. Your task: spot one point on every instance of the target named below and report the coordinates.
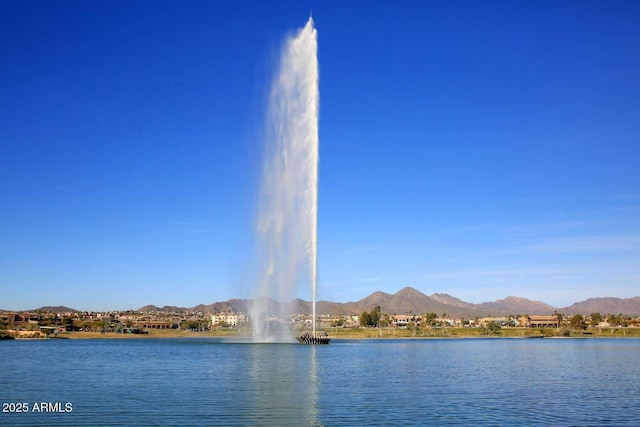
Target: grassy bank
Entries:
(374, 333)
(156, 333)
(481, 332)
(421, 333)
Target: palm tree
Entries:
(444, 316)
(559, 317)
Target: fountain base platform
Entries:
(308, 337)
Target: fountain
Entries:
(288, 210)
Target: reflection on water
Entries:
(208, 382)
(283, 385)
(313, 413)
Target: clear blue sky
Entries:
(481, 149)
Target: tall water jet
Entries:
(288, 212)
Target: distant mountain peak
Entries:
(512, 298)
(409, 299)
(448, 299)
(56, 309)
(518, 305)
(408, 290)
(605, 305)
(379, 294)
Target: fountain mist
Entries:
(288, 214)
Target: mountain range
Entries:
(410, 300)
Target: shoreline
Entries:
(361, 334)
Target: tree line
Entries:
(375, 318)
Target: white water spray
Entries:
(288, 214)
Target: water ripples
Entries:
(405, 382)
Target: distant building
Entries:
(154, 324)
(402, 320)
(231, 319)
(539, 321)
(20, 319)
(502, 321)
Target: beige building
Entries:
(231, 319)
(539, 321)
(402, 320)
(154, 324)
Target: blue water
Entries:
(492, 382)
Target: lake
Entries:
(217, 382)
